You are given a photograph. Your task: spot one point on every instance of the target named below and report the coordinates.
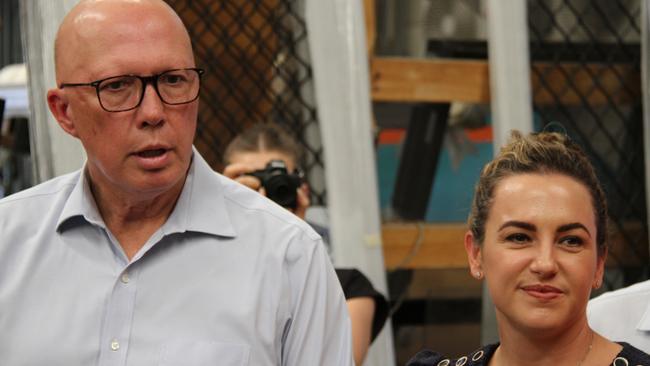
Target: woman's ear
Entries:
(600, 270)
(58, 102)
(474, 256)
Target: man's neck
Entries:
(133, 218)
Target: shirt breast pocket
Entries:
(204, 353)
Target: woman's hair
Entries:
(543, 153)
(264, 137)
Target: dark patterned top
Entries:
(629, 356)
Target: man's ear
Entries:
(474, 256)
(57, 100)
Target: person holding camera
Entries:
(266, 158)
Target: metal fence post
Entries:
(645, 83)
(342, 88)
(510, 96)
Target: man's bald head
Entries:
(88, 23)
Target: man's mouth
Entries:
(151, 153)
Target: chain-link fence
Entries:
(586, 66)
(257, 70)
(586, 79)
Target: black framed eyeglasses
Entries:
(125, 92)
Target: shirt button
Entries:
(115, 345)
(125, 278)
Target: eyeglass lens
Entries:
(125, 92)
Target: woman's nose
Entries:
(544, 263)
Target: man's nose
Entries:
(151, 108)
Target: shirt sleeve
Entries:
(319, 331)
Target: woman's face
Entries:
(539, 255)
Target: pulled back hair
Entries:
(542, 153)
(264, 137)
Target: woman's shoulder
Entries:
(479, 357)
(631, 355)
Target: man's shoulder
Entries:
(627, 305)
(47, 190)
(636, 292)
(243, 201)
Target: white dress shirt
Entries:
(230, 279)
(623, 315)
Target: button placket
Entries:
(115, 345)
(116, 328)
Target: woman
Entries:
(537, 235)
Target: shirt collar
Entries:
(80, 203)
(200, 207)
(644, 324)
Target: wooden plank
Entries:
(371, 25)
(418, 80)
(441, 246)
(452, 80)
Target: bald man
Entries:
(145, 256)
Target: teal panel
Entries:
(453, 187)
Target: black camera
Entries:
(280, 185)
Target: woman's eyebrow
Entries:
(519, 224)
(574, 225)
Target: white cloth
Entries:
(229, 279)
(623, 315)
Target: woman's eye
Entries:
(518, 238)
(572, 241)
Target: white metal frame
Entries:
(510, 97)
(53, 151)
(340, 64)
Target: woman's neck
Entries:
(570, 346)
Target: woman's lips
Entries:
(542, 292)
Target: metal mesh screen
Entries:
(586, 79)
(10, 47)
(257, 70)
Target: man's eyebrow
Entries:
(571, 226)
(519, 224)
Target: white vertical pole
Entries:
(53, 151)
(509, 60)
(510, 91)
(340, 64)
(645, 84)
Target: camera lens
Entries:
(280, 185)
(281, 189)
